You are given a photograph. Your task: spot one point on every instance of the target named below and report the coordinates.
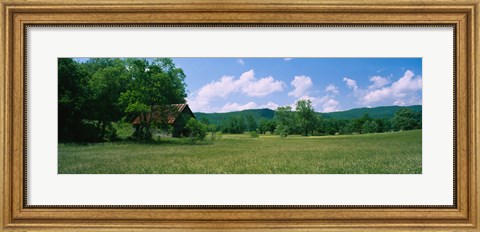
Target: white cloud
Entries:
(200, 104)
(246, 84)
(222, 88)
(287, 59)
(407, 83)
(330, 105)
(241, 62)
(302, 85)
(269, 105)
(263, 87)
(331, 88)
(414, 100)
(400, 92)
(376, 95)
(352, 84)
(324, 104)
(229, 107)
(378, 82)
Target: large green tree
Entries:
(154, 85)
(306, 118)
(406, 119)
(285, 119)
(108, 79)
(251, 123)
(234, 125)
(73, 94)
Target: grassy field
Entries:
(393, 153)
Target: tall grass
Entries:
(392, 153)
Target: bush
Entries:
(253, 134)
(198, 130)
(213, 131)
(112, 134)
(369, 127)
(282, 130)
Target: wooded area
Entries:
(98, 91)
(303, 120)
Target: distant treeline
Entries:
(304, 121)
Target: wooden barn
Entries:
(175, 115)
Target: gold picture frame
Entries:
(464, 15)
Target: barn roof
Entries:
(172, 114)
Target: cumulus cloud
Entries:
(246, 84)
(352, 84)
(378, 82)
(323, 104)
(331, 88)
(269, 105)
(330, 105)
(414, 100)
(400, 92)
(262, 87)
(229, 107)
(326, 103)
(302, 85)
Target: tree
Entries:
(108, 80)
(348, 128)
(263, 126)
(153, 86)
(285, 119)
(384, 125)
(204, 120)
(197, 130)
(369, 127)
(406, 119)
(251, 123)
(305, 116)
(359, 122)
(73, 94)
(233, 125)
(316, 124)
(213, 131)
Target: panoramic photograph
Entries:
(283, 115)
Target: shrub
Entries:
(112, 134)
(282, 130)
(253, 134)
(213, 131)
(198, 130)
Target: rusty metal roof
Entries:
(171, 116)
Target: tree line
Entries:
(96, 92)
(303, 120)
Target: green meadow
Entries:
(382, 153)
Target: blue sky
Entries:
(332, 84)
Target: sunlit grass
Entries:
(392, 153)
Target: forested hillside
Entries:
(375, 112)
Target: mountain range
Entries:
(374, 112)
